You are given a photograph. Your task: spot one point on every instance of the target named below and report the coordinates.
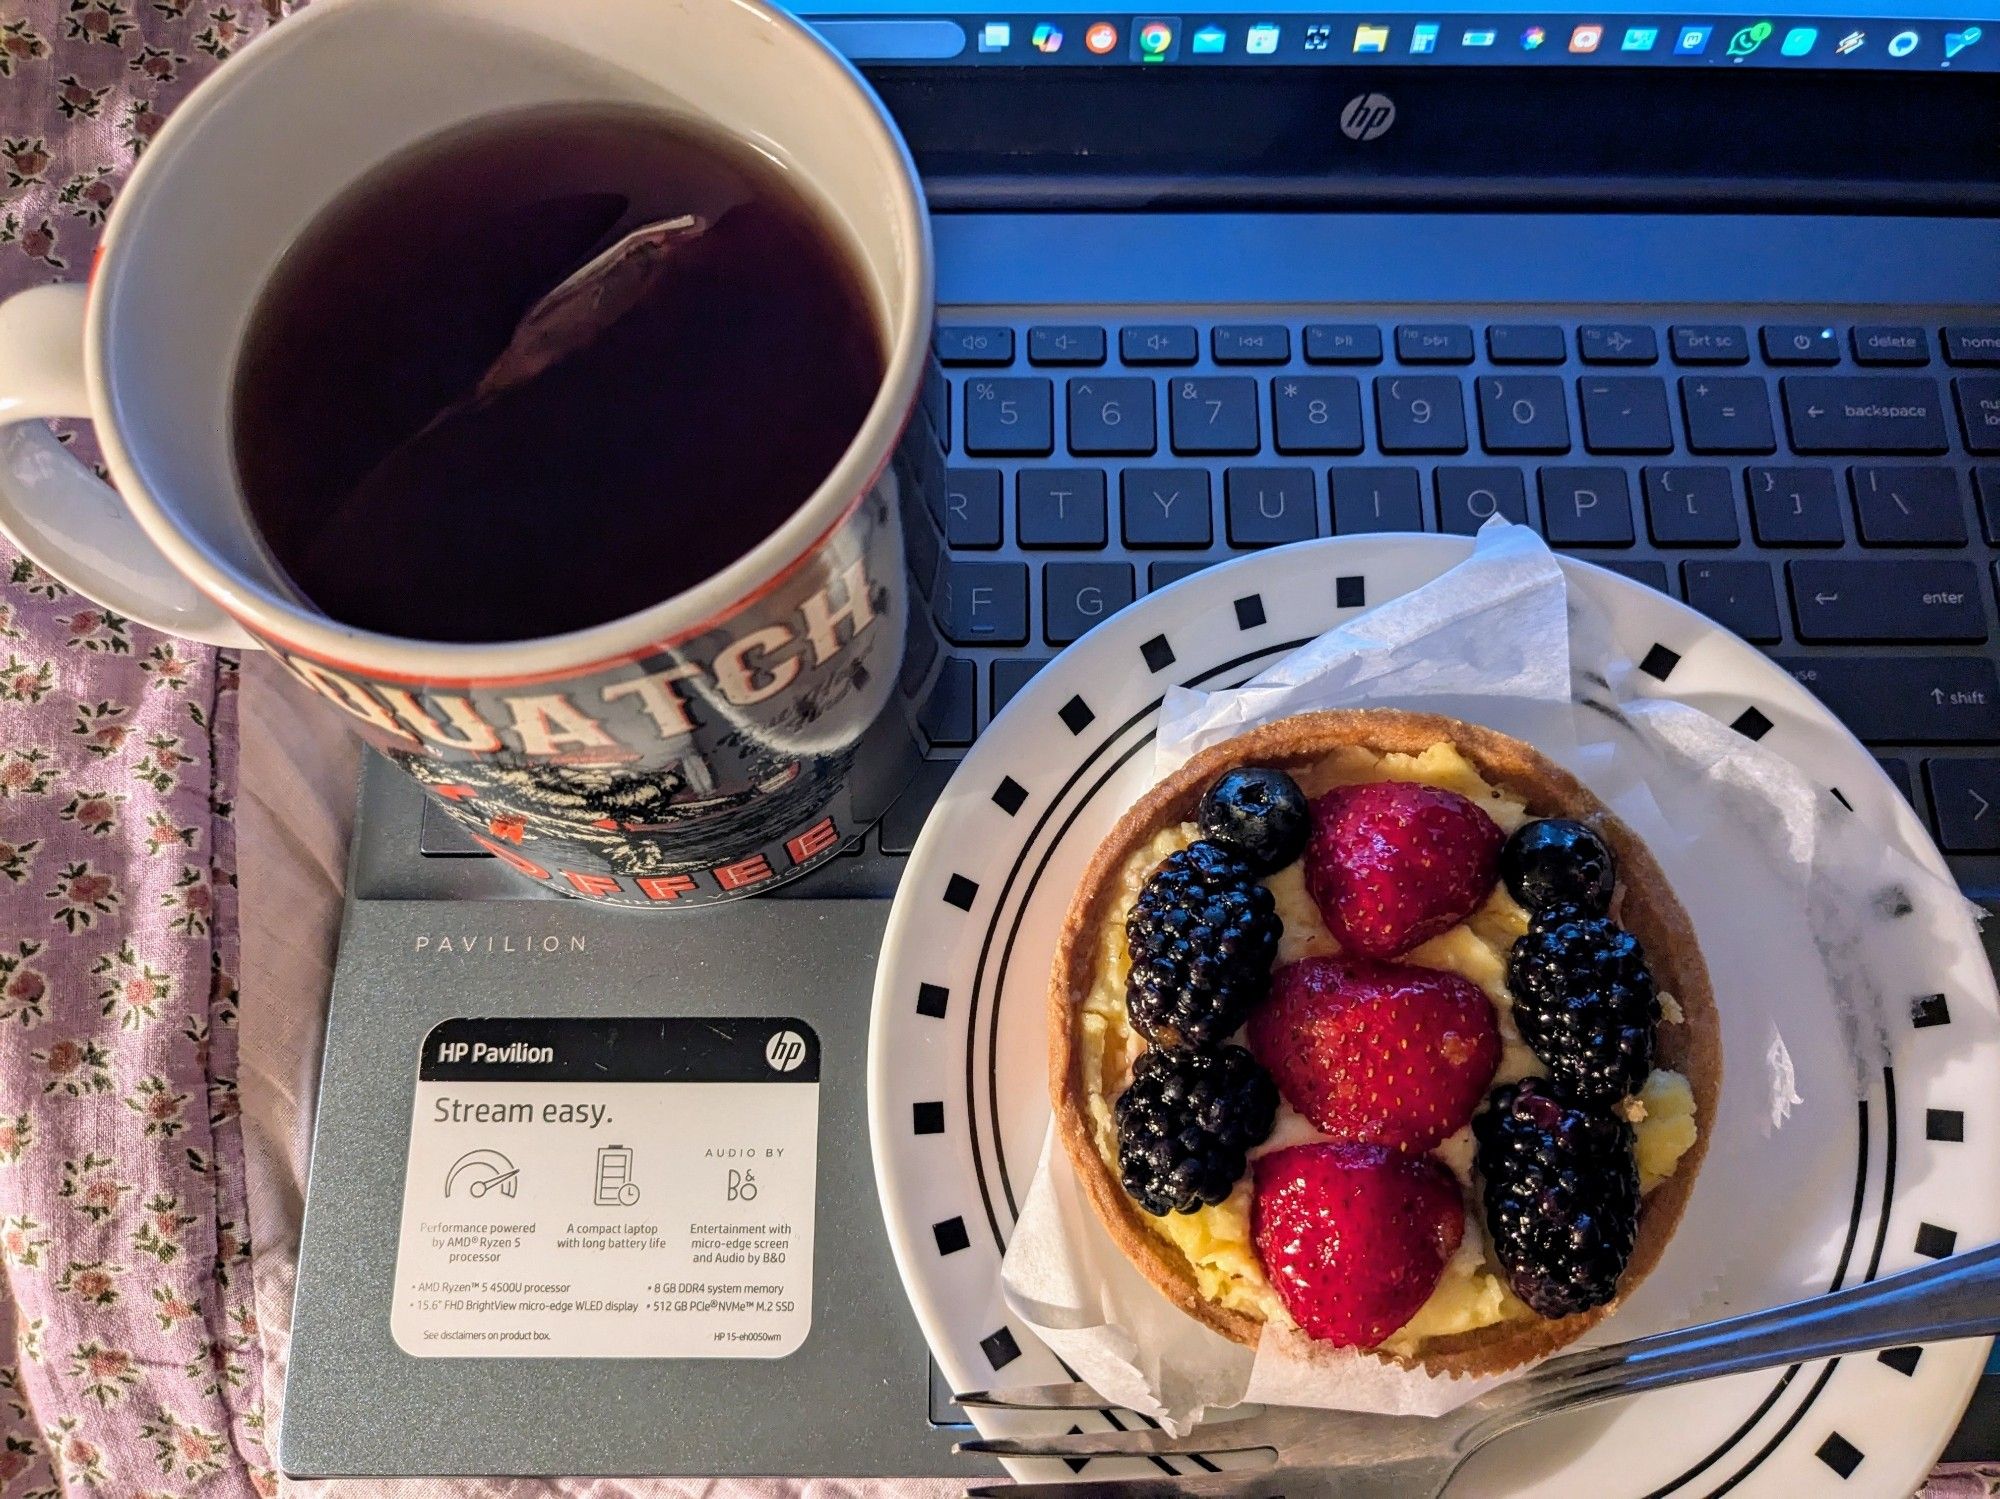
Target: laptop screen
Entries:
(1913, 35)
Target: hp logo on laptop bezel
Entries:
(1367, 117)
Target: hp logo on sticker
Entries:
(1366, 116)
(785, 1050)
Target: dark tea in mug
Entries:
(433, 446)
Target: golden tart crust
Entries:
(1644, 904)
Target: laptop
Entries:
(1711, 300)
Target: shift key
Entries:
(1887, 600)
(1864, 413)
(1906, 699)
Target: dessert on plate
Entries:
(1379, 1028)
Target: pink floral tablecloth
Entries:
(132, 1360)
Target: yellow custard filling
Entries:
(1216, 1240)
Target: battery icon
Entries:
(615, 1187)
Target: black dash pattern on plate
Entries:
(1839, 1454)
(1000, 1348)
(960, 892)
(1902, 1360)
(931, 1000)
(1936, 1243)
(1660, 662)
(1077, 715)
(1010, 795)
(1350, 593)
(1157, 653)
(1250, 611)
(927, 1118)
(1751, 724)
(951, 1235)
(1929, 1010)
(1944, 1124)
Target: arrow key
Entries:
(1965, 795)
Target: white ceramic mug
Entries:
(521, 739)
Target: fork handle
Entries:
(1957, 1297)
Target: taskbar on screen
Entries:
(1194, 40)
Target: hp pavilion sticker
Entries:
(610, 1188)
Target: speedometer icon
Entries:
(478, 1172)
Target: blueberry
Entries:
(1259, 813)
(1558, 861)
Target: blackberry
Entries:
(1202, 935)
(1260, 814)
(1558, 862)
(1561, 1194)
(1185, 1122)
(1584, 1002)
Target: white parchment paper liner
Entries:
(1803, 913)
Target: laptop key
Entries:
(1617, 343)
(1880, 600)
(1800, 343)
(1112, 415)
(1908, 506)
(1525, 343)
(1906, 699)
(1011, 675)
(982, 603)
(907, 814)
(1159, 343)
(1343, 343)
(1691, 506)
(1709, 343)
(1267, 343)
(1066, 345)
(1586, 507)
(1864, 413)
(1006, 415)
(1060, 507)
(1434, 343)
(1652, 574)
(1883, 344)
(1625, 414)
(1522, 414)
(1738, 596)
(1469, 497)
(1316, 413)
(1165, 507)
(1972, 345)
(1979, 411)
(1965, 796)
(1368, 500)
(1419, 414)
(1727, 414)
(1986, 480)
(1795, 507)
(1213, 414)
(966, 345)
(1163, 574)
(1076, 596)
(972, 507)
(1270, 506)
(947, 716)
(1897, 770)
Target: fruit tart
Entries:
(1378, 1028)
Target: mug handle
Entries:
(52, 507)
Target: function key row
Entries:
(1781, 344)
(1117, 415)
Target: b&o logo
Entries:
(1366, 116)
(785, 1050)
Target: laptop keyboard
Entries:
(1829, 489)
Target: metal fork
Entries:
(1353, 1455)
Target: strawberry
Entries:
(1375, 1051)
(1393, 863)
(1354, 1237)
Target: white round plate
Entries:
(957, 1063)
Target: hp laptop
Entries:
(1711, 299)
